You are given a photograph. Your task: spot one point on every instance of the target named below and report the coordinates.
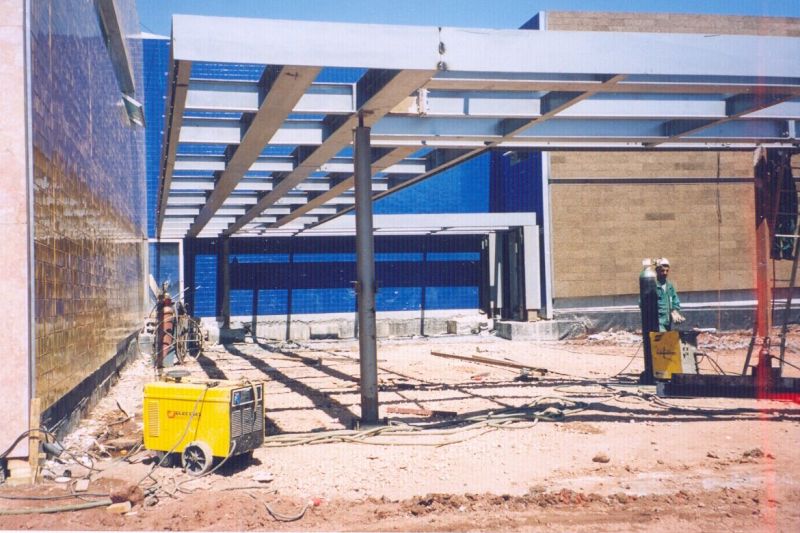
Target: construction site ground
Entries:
(467, 446)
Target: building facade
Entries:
(77, 260)
(695, 208)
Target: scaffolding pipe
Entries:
(365, 285)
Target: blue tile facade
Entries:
(164, 262)
(516, 182)
(315, 275)
(463, 188)
(89, 195)
(156, 61)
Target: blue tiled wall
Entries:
(315, 275)
(165, 264)
(463, 188)
(156, 63)
(516, 182)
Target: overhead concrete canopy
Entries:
(273, 156)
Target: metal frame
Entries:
(429, 99)
(434, 97)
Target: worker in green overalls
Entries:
(669, 305)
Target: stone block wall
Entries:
(612, 209)
(672, 23)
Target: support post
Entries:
(225, 270)
(365, 286)
(764, 192)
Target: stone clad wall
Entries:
(15, 382)
(612, 209)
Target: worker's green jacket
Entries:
(667, 301)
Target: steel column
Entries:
(225, 270)
(365, 264)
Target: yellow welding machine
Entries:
(673, 352)
(199, 420)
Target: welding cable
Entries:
(194, 478)
(47, 433)
(53, 497)
(86, 497)
(496, 420)
(790, 364)
(570, 389)
(633, 357)
(656, 400)
(280, 517)
(713, 363)
(16, 441)
(177, 442)
(74, 457)
(59, 509)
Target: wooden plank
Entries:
(420, 412)
(34, 441)
(489, 361)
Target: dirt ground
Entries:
(467, 446)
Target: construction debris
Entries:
(507, 424)
(421, 412)
(490, 361)
(119, 508)
(601, 458)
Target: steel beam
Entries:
(735, 107)
(387, 160)
(218, 163)
(551, 105)
(283, 87)
(379, 92)
(277, 42)
(243, 97)
(497, 81)
(176, 99)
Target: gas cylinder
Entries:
(165, 330)
(648, 303)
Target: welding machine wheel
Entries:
(167, 460)
(197, 458)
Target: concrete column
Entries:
(16, 226)
(365, 265)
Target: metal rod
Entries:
(365, 265)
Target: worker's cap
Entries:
(662, 262)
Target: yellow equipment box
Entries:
(673, 353)
(200, 420)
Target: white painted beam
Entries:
(176, 100)
(381, 91)
(285, 87)
(281, 42)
